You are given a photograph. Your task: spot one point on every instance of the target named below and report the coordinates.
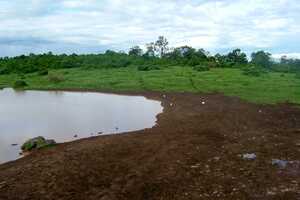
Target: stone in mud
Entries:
(249, 156)
(280, 163)
(37, 143)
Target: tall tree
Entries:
(237, 57)
(150, 52)
(161, 46)
(135, 51)
(202, 54)
(284, 60)
(262, 59)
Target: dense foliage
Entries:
(157, 55)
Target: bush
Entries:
(37, 143)
(43, 72)
(253, 70)
(56, 78)
(201, 68)
(148, 67)
(4, 71)
(123, 63)
(20, 84)
(194, 61)
(115, 63)
(211, 64)
(226, 64)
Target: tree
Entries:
(161, 46)
(135, 51)
(174, 54)
(150, 50)
(202, 54)
(237, 57)
(262, 59)
(288, 64)
(110, 52)
(187, 52)
(284, 60)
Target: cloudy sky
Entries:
(92, 26)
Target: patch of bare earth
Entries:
(195, 152)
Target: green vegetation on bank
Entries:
(159, 68)
(270, 87)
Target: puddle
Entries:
(67, 116)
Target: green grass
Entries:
(268, 88)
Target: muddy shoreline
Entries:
(194, 152)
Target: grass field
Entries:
(267, 88)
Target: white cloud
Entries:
(119, 24)
(288, 55)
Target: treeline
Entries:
(157, 55)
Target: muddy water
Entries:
(64, 115)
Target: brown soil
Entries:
(193, 153)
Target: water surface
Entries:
(62, 115)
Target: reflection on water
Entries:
(62, 115)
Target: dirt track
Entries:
(193, 153)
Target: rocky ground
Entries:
(203, 147)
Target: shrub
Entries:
(148, 67)
(3, 71)
(226, 64)
(20, 84)
(201, 68)
(37, 143)
(56, 78)
(211, 64)
(194, 61)
(116, 63)
(123, 63)
(43, 72)
(253, 70)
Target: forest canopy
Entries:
(156, 54)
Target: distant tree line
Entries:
(157, 54)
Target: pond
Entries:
(68, 116)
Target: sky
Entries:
(93, 26)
